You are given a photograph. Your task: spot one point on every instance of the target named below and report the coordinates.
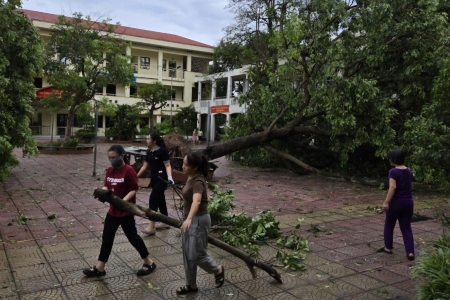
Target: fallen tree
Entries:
(137, 210)
(335, 85)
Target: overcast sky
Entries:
(199, 20)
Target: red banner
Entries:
(220, 109)
(46, 91)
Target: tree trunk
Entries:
(150, 117)
(107, 196)
(70, 117)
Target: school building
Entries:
(171, 59)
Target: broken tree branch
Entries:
(137, 210)
(297, 161)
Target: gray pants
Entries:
(195, 243)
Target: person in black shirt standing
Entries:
(159, 162)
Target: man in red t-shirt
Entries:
(122, 180)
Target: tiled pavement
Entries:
(43, 257)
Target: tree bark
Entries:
(150, 116)
(137, 210)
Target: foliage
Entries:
(247, 232)
(154, 96)
(126, 120)
(347, 80)
(220, 202)
(84, 115)
(109, 133)
(186, 120)
(292, 260)
(83, 55)
(163, 128)
(144, 130)
(427, 135)
(84, 133)
(433, 266)
(20, 61)
(294, 241)
(72, 143)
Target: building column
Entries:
(189, 63)
(213, 90)
(127, 87)
(199, 90)
(158, 119)
(199, 121)
(229, 88)
(213, 128)
(160, 66)
(228, 118)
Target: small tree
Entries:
(20, 61)
(126, 121)
(154, 96)
(82, 56)
(186, 120)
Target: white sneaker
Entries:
(160, 225)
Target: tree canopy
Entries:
(337, 84)
(83, 56)
(20, 61)
(154, 96)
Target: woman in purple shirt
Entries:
(399, 204)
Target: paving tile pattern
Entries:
(51, 228)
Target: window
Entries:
(111, 89)
(38, 83)
(99, 90)
(164, 65)
(134, 63)
(174, 93)
(100, 121)
(133, 90)
(172, 68)
(145, 62)
(61, 120)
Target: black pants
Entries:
(129, 228)
(157, 198)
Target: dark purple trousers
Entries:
(401, 210)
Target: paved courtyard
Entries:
(51, 227)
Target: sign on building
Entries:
(220, 109)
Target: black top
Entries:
(156, 160)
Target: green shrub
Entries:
(83, 133)
(164, 127)
(434, 267)
(71, 143)
(56, 144)
(144, 130)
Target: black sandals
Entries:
(186, 290)
(150, 268)
(93, 272)
(220, 278)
